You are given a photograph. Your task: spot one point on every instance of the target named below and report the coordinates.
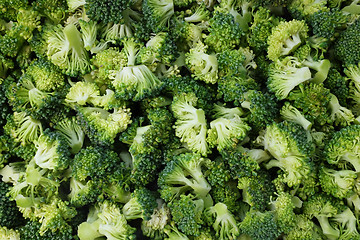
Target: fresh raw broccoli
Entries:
(82, 93)
(183, 174)
(105, 219)
(224, 32)
(285, 75)
(203, 66)
(187, 214)
(134, 81)
(292, 114)
(102, 126)
(72, 133)
(157, 14)
(347, 43)
(260, 225)
(11, 234)
(286, 38)
(55, 10)
(283, 206)
(342, 148)
(223, 221)
(339, 183)
(159, 219)
(31, 230)
(257, 190)
(190, 124)
(304, 229)
(227, 129)
(106, 11)
(323, 207)
(52, 151)
(65, 49)
(141, 204)
(338, 85)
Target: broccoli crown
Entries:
(141, 204)
(342, 148)
(183, 174)
(338, 85)
(106, 11)
(224, 32)
(32, 228)
(187, 213)
(10, 216)
(259, 225)
(347, 43)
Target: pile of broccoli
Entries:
(179, 119)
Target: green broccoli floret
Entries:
(154, 227)
(105, 11)
(285, 75)
(66, 50)
(105, 219)
(286, 38)
(52, 151)
(31, 230)
(190, 125)
(55, 10)
(11, 234)
(342, 148)
(102, 126)
(263, 108)
(313, 100)
(183, 174)
(72, 133)
(227, 129)
(157, 14)
(141, 204)
(300, 9)
(288, 142)
(347, 222)
(82, 93)
(339, 183)
(326, 23)
(45, 75)
(257, 190)
(339, 115)
(12, 41)
(347, 44)
(304, 229)
(10, 216)
(134, 81)
(283, 206)
(261, 28)
(241, 11)
(222, 221)
(203, 66)
(185, 84)
(260, 225)
(292, 114)
(323, 207)
(224, 32)
(338, 85)
(83, 192)
(187, 213)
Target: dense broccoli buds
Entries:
(179, 119)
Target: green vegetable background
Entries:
(179, 119)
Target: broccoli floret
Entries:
(102, 126)
(159, 219)
(183, 174)
(141, 204)
(227, 129)
(82, 93)
(203, 66)
(303, 9)
(72, 133)
(187, 213)
(190, 125)
(286, 38)
(342, 148)
(290, 113)
(283, 206)
(157, 14)
(260, 225)
(257, 190)
(338, 183)
(313, 100)
(134, 81)
(224, 32)
(338, 85)
(52, 151)
(304, 229)
(31, 230)
(347, 221)
(54, 9)
(339, 115)
(105, 11)
(83, 192)
(66, 50)
(11, 234)
(263, 108)
(347, 43)
(261, 28)
(222, 221)
(285, 75)
(323, 207)
(10, 216)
